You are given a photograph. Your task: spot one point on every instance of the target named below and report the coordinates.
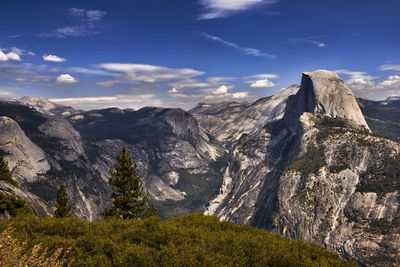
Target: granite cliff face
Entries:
(303, 163)
(310, 176)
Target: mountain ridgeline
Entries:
(311, 162)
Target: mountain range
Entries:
(311, 162)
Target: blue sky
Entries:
(130, 54)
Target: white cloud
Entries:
(262, 84)
(53, 58)
(390, 67)
(6, 93)
(174, 91)
(311, 40)
(3, 56)
(9, 56)
(392, 81)
(221, 90)
(366, 86)
(224, 8)
(246, 50)
(148, 73)
(66, 78)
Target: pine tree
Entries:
(62, 204)
(5, 174)
(129, 200)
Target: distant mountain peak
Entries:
(324, 92)
(42, 105)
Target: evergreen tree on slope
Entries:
(129, 200)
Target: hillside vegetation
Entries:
(191, 240)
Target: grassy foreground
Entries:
(191, 240)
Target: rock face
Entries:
(325, 93)
(309, 174)
(26, 160)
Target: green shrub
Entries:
(5, 174)
(13, 205)
(191, 240)
(382, 177)
(310, 162)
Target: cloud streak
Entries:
(213, 9)
(245, 50)
(134, 73)
(310, 40)
(390, 67)
(87, 24)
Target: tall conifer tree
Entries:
(129, 200)
(63, 208)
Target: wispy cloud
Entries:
(87, 24)
(6, 93)
(311, 40)
(213, 9)
(92, 72)
(390, 67)
(246, 50)
(133, 73)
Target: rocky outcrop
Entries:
(46, 107)
(26, 160)
(325, 93)
(69, 139)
